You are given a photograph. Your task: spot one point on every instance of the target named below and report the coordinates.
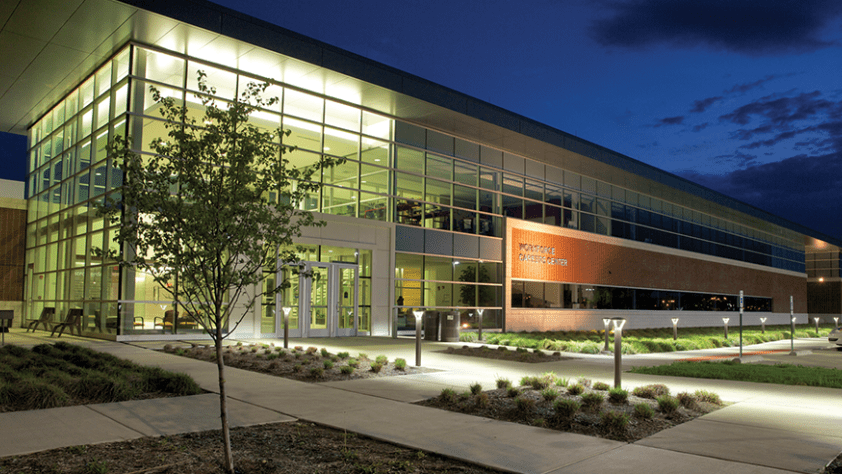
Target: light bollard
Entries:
(763, 325)
(791, 327)
(479, 328)
(817, 323)
(286, 310)
(418, 315)
(741, 324)
(725, 321)
(836, 322)
(606, 322)
(618, 350)
(674, 329)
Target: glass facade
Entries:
(531, 294)
(393, 172)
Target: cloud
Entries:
(802, 189)
(745, 26)
(670, 121)
(700, 127)
(745, 87)
(700, 106)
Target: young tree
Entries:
(215, 204)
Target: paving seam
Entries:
(103, 415)
(778, 428)
(728, 460)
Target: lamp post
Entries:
(816, 320)
(618, 349)
(741, 324)
(286, 310)
(763, 325)
(479, 328)
(791, 327)
(418, 315)
(674, 328)
(836, 322)
(725, 320)
(606, 322)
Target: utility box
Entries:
(450, 326)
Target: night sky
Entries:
(741, 96)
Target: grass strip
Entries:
(782, 374)
(645, 341)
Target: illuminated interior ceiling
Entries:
(48, 46)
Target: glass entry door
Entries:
(328, 303)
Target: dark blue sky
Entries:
(744, 96)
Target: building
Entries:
(445, 203)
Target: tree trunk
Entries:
(223, 403)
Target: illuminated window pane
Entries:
(342, 116)
(303, 105)
(224, 82)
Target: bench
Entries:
(46, 319)
(73, 320)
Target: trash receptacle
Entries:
(450, 327)
(431, 326)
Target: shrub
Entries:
(376, 368)
(667, 404)
(614, 422)
(566, 408)
(382, 360)
(709, 397)
(601, 386)
(618, 395)
(346, 370)
(468, 337)
(317, 372)
(464, 396)
(576, 389)
(297, 348)
(549, 394)
(592, 401)
(362, 356)
(297, 368)
(537, 383)
(476, 388)
(353, 363)
(279, 350)
(512, 392)
(312, 350)
(325, 353)
(343, 355)
(328, 364)
(482, 400)
(651, 391)
(503, 383)
(562, 382)
(524, 404)
(272, 356)
(686, 400)
(644, 411)
(585, 382)
(447, 395)
(400, 364)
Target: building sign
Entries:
(540, 256)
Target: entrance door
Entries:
(328, 304)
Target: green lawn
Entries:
(783, 374)
(644, 341)
(63, 375)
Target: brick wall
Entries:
(12, 251)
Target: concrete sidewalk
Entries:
(768, 429)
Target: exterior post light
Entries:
(791, 327)
(418, 315)
(725, 321)
(763, 325)
(741, 324)
(674, 329)
(618, 349)
(836, 322)
(479, 328)
(286, 310)
(816, 320)
(606, 322)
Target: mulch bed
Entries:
(298, 363)
(504, 353)
(297, 447)
(499, 404)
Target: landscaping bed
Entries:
(590, 409)
(61, 374)
(782, 374)
(298, 447)
(303, 364)
(520, 354)
(643, 341)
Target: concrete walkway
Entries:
(767, 429)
